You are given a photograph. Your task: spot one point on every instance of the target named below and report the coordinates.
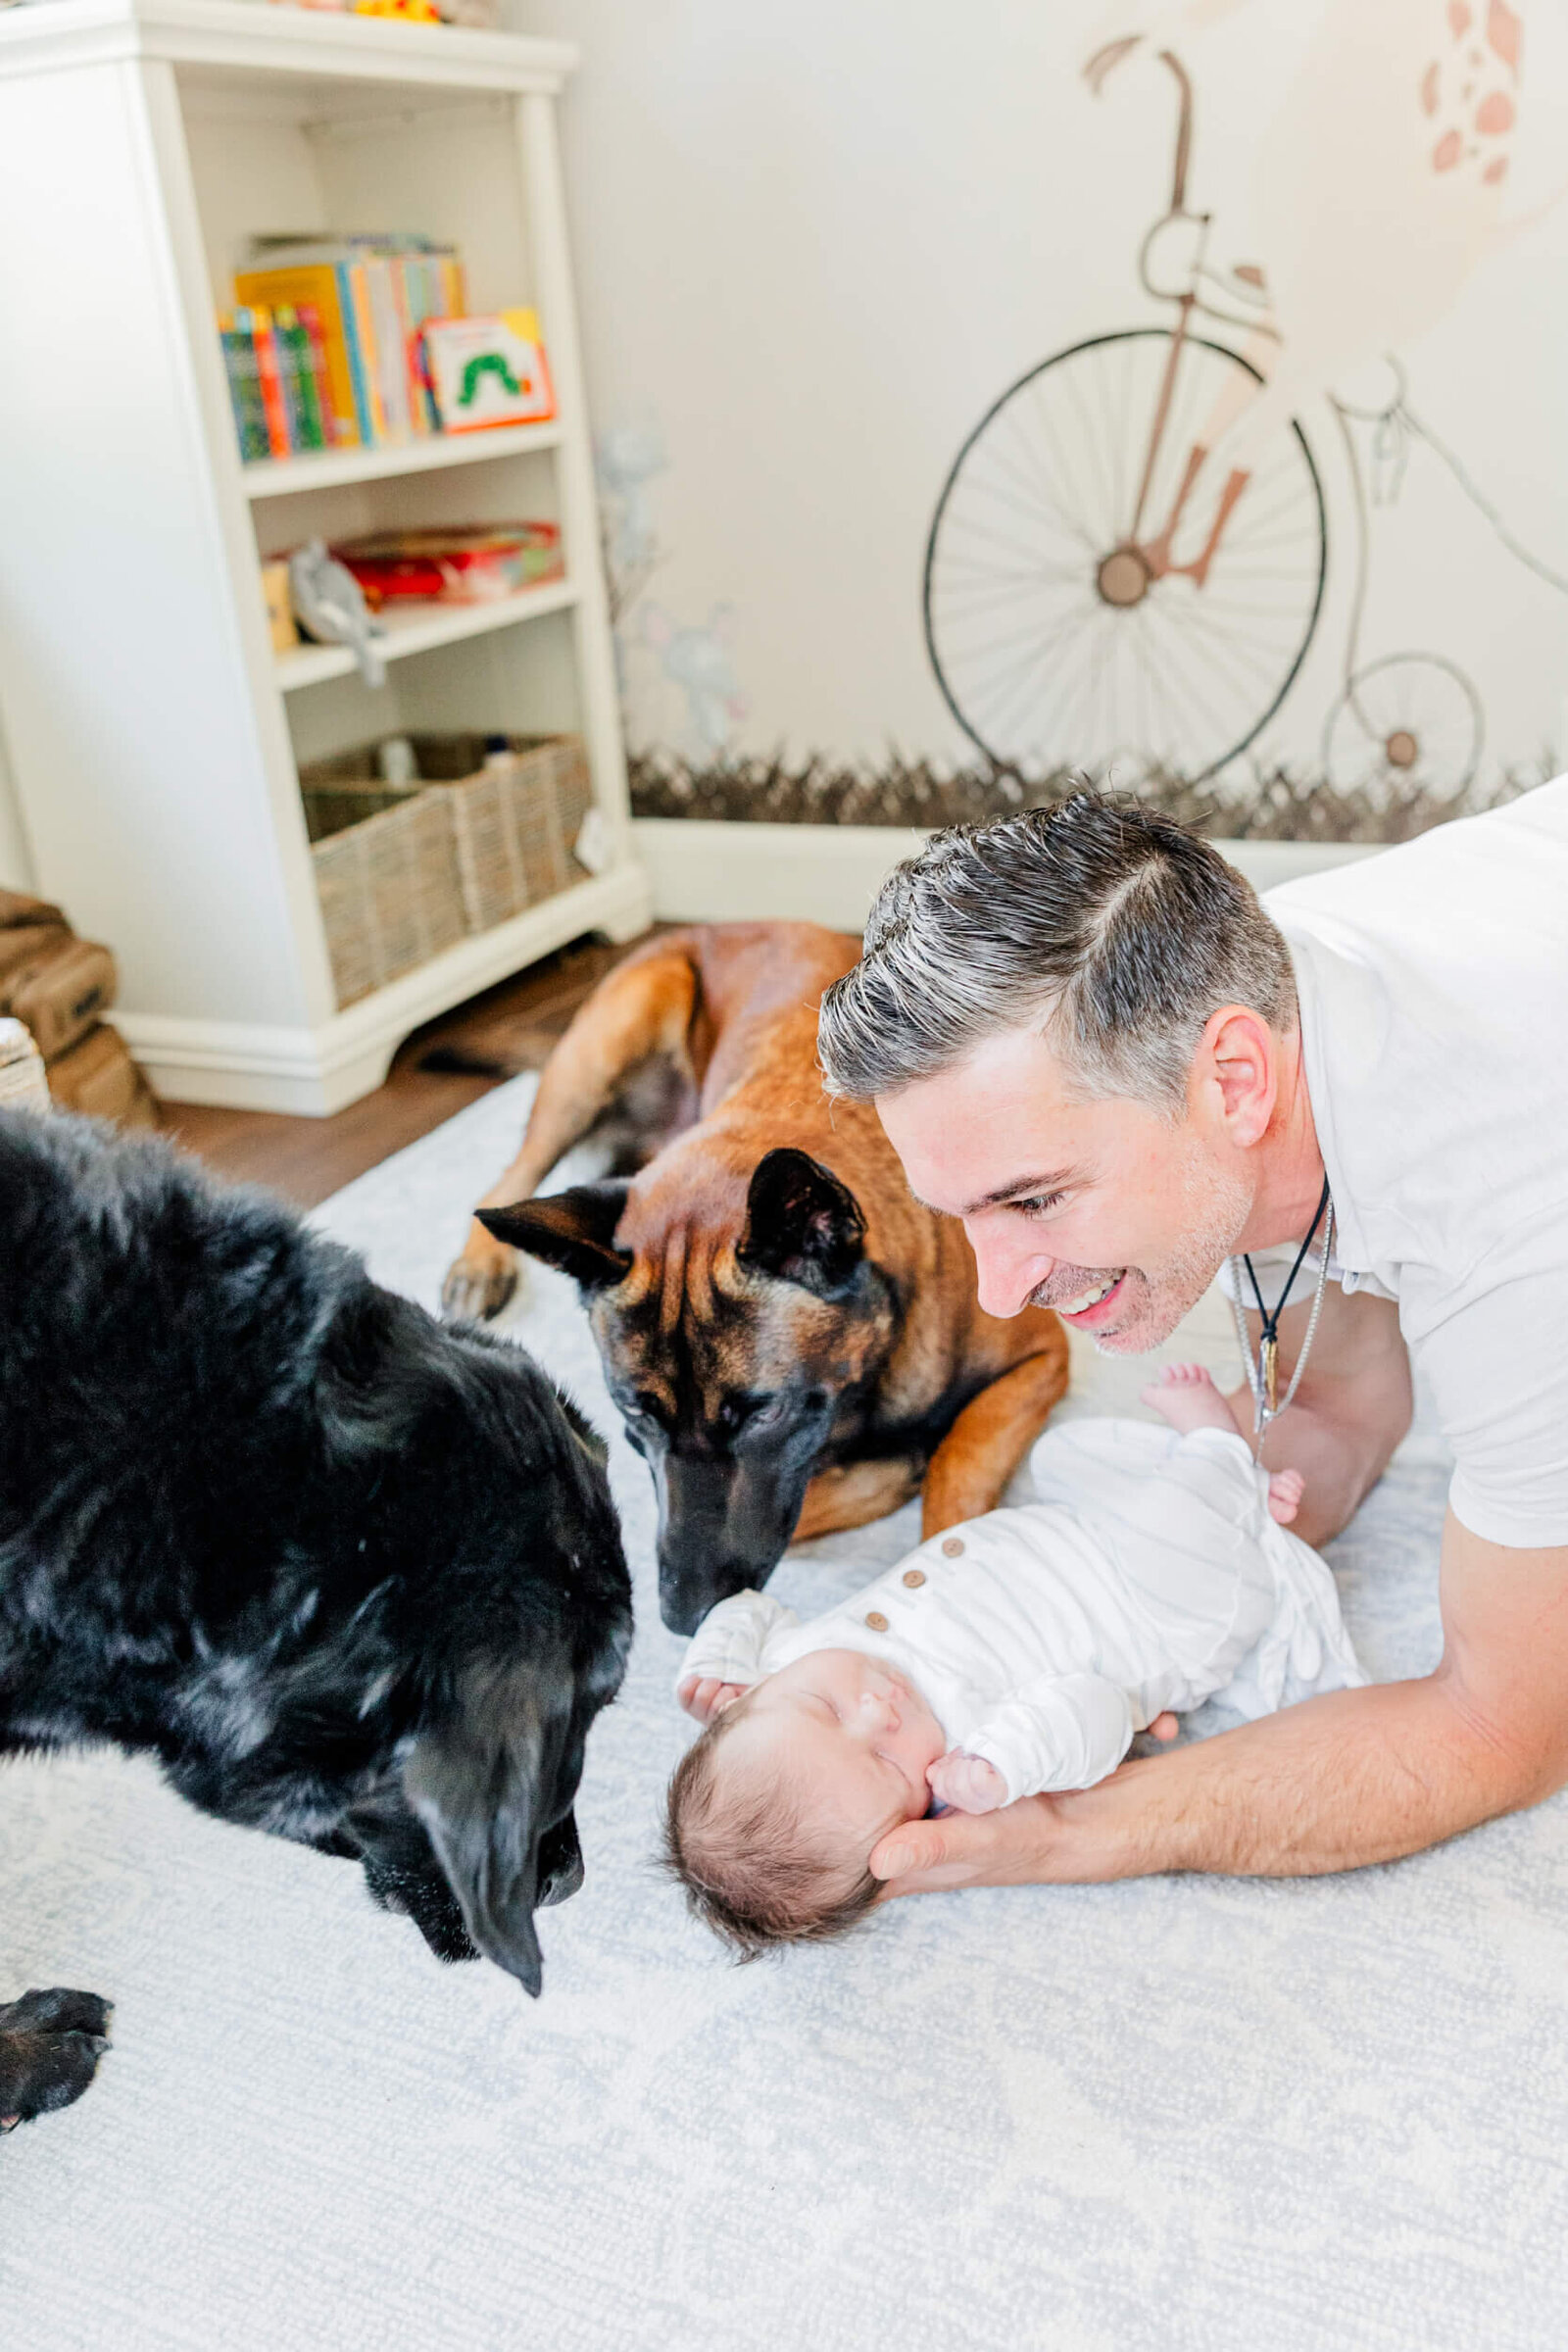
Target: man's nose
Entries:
(1008, 1272)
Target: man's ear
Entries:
(574, 1230)
(801, 1224)
(1239, 1056)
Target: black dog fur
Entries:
(352, 1578)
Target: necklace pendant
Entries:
(1269, 1367)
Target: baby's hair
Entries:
(748, 1870)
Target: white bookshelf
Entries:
(155, 735)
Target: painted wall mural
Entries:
(1129, 556)
(1181, 384)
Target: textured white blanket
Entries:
(1235, 2117)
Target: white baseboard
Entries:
(707, 872)
(311, 1072)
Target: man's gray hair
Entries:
(1112, 930)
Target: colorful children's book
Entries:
(305, 425)
(309, 319)
(271, 378)
(487, 371)
(244, 385)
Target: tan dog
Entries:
(794, 1342)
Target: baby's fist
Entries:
(705, 1697)
(968, 1784)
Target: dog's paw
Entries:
(480, 1283)
(50, 2045)
(422, 1895)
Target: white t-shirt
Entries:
(1434, 994)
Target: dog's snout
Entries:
(684, 1600)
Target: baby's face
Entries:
(852, 1739)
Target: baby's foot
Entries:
(1285, 1490)
(1185, 1396)
(966, 1784)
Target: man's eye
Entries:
(1038, 1205)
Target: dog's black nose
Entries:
(684, 1604)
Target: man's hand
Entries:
(704, 1696)
(1017, 1845)
(966, 1784)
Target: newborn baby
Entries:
(1020, 1652)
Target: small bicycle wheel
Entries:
(1407, 722)
(1049, 648)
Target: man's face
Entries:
(1116, 1217)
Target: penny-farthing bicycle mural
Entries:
(1128, 555)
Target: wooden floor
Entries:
(509, 1028)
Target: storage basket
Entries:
(511, 818)
(516, 816)
(386, 872)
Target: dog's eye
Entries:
(751, 1412)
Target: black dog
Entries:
(352, 1578)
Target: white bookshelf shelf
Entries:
(416, 628)
(151, 726)
(331, 469)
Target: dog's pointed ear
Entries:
(574, 1230)
(801, 1224)
(476, 1778)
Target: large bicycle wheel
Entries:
(1050, 645)
(1411, 723)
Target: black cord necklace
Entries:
(1263, 1380)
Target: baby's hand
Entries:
(967, 1784)
(705, 1697)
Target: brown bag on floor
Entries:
(99, 1078)
(18, 912)
(62, 995)
(21, 946)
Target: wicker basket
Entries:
(495, 831)
(386, 874)
(516, 815)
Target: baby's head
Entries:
(773, 1812)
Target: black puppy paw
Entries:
(50, 2045)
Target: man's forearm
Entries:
(1340, 1782)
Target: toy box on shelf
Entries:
(422, 840)
(462, 565)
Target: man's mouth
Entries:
(1096, 1297)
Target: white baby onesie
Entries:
(1146, 1575)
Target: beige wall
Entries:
(16, 866)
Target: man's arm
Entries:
(1358, 1777)
(1350, 1410)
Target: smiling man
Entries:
(1088, 1040)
